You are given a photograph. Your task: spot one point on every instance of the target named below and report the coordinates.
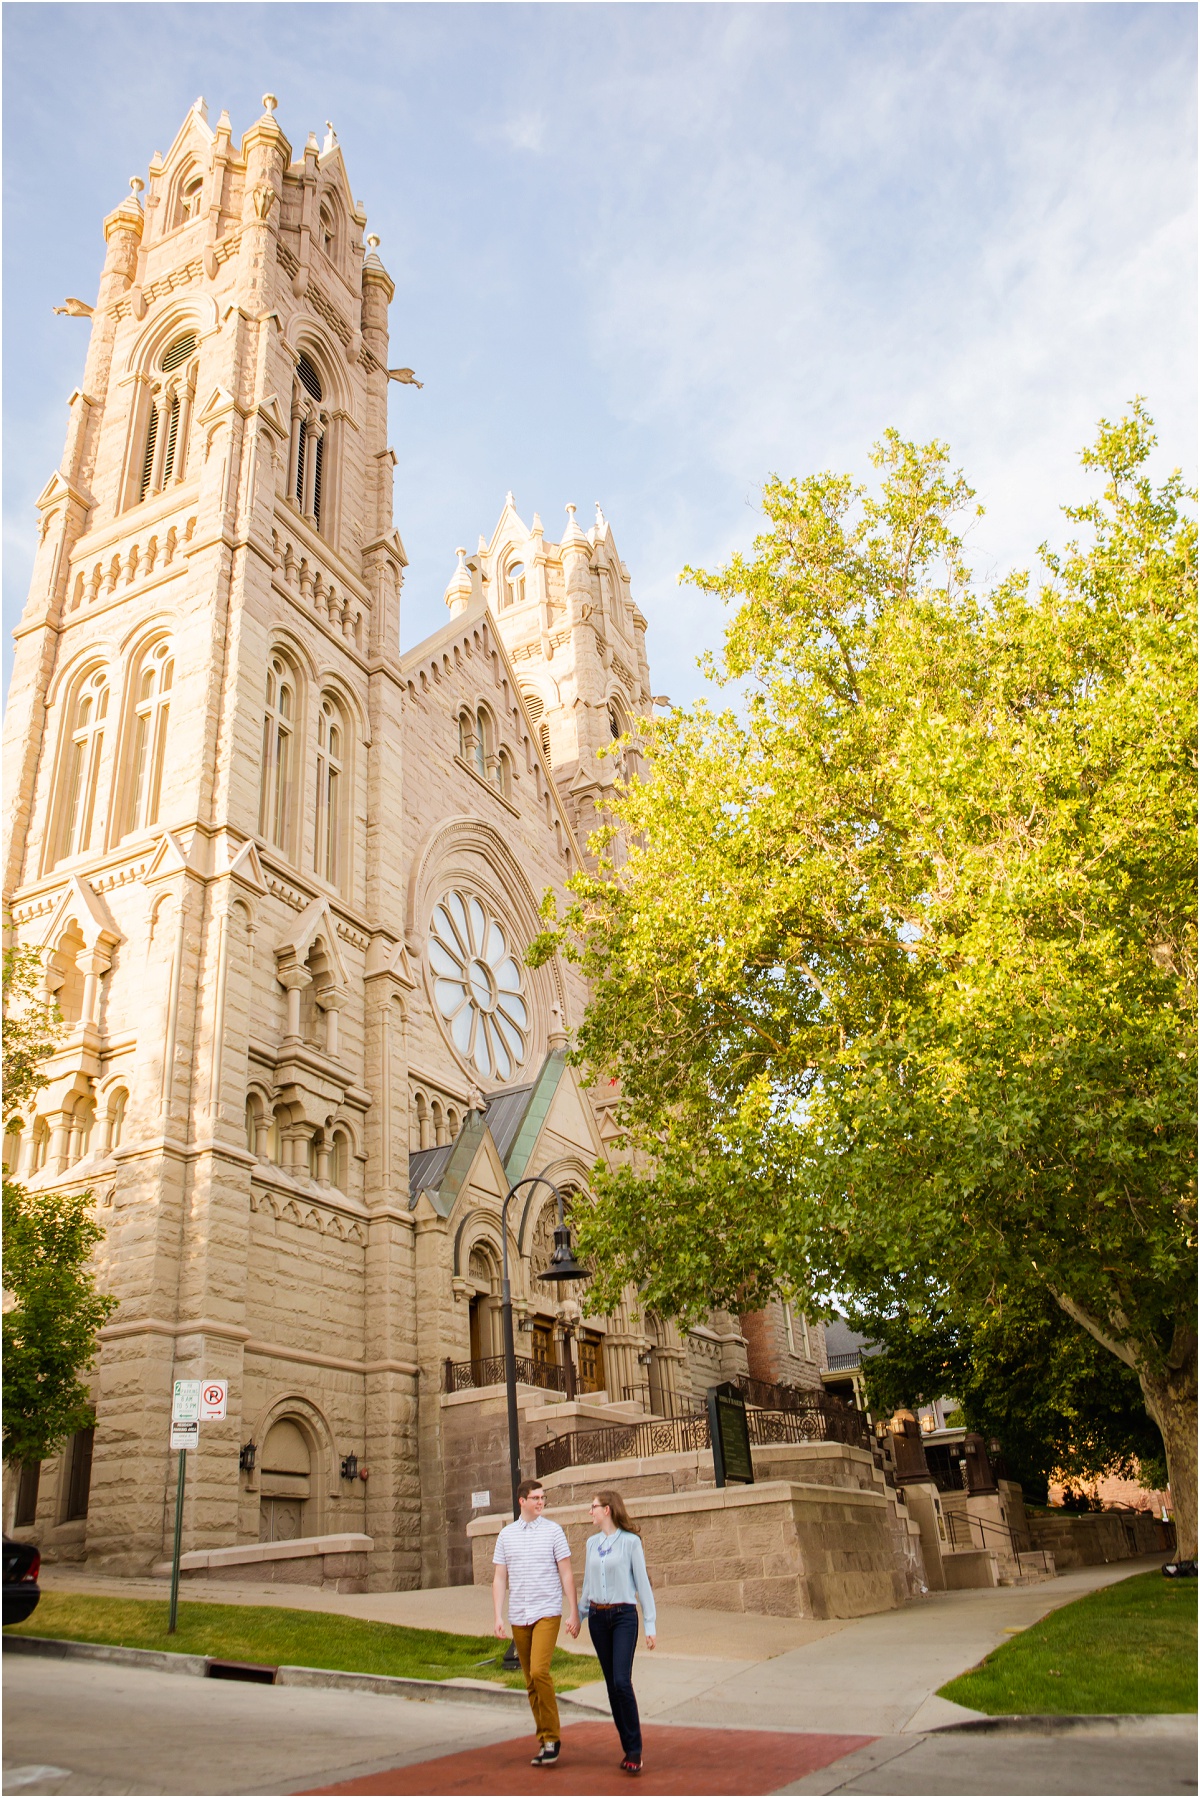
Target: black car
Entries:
(21, 1591)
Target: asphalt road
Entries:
(95, 1728)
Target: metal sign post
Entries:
(185, 1434)
(173, 1615)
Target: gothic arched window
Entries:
(164, 447)
(331, 772)
(514, 584)
(504, 773)
(152, 704)
(191, 190)
(306, 477)
(328, 230)
(483, 741)
(115, 1123)
(81, 766)
(279, 727)
(536, 706)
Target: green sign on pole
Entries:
(729, 1432)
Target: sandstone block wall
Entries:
(780, 1548)
(1091, 1538)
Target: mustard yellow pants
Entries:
(535, 1644)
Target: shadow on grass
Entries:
(285, 1638)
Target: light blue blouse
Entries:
(618, 1576)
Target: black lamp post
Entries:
(563, 1266)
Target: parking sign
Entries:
(213, 1394)
(185, 1401)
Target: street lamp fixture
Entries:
(350, 1467)
(563, 1266)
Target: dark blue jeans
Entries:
(614, 1634)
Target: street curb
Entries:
(56, 1649)
(1120, 1723)
(196, 1666)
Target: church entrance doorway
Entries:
(285, 1504)
(591, 1361)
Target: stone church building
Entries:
(282, 874)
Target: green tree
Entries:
(53, 1309)
(897, 969)
(1022, 1371)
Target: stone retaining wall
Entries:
(780, 1548)
(1090, 1538)
(336, 1563)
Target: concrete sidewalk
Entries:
(873, 1675)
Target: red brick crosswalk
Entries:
(677, 1761)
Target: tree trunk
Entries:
(1169, 1391)
(1171, 1401)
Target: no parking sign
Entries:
(213, 1395)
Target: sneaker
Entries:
(546, 1755)
(629, 1765)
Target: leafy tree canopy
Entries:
(1021, 1370)
(896, 969)
(52, 1308)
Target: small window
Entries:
(328, 230)
(12, 1145)
(514, 584)
(339, 1161)
(79, 1477)
(115, 1127)
(82, 767)
(504, 773)
(483, 742)
(251, 1127)
(164, 452)
(278, 731)
(331, 738)
(544, 740)
(190, 194)
(152, 707)
(309, 446)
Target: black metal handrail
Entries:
(772, 1395)
(961, 1526)
(464, 1376)
(676, 1435)
(664, 1404)
(845, 1363)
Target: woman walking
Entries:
(614, 1578)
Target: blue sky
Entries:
(648, 254)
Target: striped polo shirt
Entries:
(531, 1552)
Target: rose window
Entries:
(477, 985)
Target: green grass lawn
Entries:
(1128, 1648)
(286, 1638)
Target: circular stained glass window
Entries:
(477, 985)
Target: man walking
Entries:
(533, 1559)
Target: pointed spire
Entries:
(372, 258)
(510, 501)
(601, 520)
(458, 593)
(331, 138)
(573, 534)
(537, 529)
(269, 104)
(223, 124)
